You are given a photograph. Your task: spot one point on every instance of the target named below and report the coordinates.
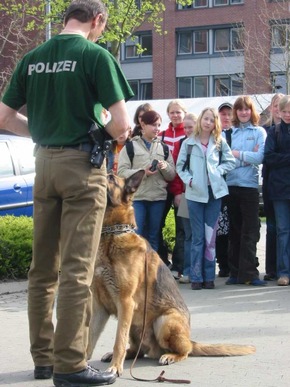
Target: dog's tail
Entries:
(199, 349)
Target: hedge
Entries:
(16, 244)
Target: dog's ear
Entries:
(133, 182)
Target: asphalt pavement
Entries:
(239, 314)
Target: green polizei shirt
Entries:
(65, 83)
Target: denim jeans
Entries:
(187, 245)
(282, 214)
(148, 216)
(244, 233)
(271, 236)
(203, 219)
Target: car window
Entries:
(6, 164)
(24, 152)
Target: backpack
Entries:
(130, 150)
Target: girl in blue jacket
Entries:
(247, 144)
(203, 160)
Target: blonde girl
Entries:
(204, 159)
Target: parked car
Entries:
(17, 171)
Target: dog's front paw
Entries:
(107, 357)
(118, 370)
(166, 359)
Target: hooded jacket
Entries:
(204, 169)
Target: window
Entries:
(221, 2)
(237, 85)
(26, 157)
(200, 41)
(279, 83)
(222, 87)
(229, 85)
(237, 39)
(142, 89)
(185, 43)
(228, 39)
(200, 3)
(222, 40)
(212, 3)
(195, 4)
(200, 87)
(132, 45)
(6, 165)
(196, 41)
(217, 3)
(192, 87)
(185, 88)
(280, 35)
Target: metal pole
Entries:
(48, 25)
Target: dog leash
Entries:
(160, 378)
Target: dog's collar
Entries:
(118, 229)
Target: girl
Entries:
(149, 200)
(176, 111)
(247, 143)
(208, 158)
(277, 159)
(113, 155)
(141, 109)
(189, 123)
(271, 245)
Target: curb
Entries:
(10, 287)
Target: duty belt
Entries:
(84, 146)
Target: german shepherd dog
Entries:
(119, 288)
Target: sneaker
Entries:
(283, 281)
(256, 282)
(43, 372)
(87, 377)
(270, 277)
(196, 285)
(176, 274)
(208, 285)
(184, 280)
(231, 281)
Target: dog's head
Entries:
(120, 190)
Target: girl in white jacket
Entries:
(203, 161)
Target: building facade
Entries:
(212, 48)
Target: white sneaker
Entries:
(175, 274)
(184, 279)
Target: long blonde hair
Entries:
(274, 99)
(216, 133)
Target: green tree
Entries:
(24, 22)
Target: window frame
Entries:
(190, 35)
(138, 39)
(286, 32)
(215, 50)
(195, 32)
(139, 89)
(220, 5)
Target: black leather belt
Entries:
(84, 146)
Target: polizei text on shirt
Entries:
(56, 67)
